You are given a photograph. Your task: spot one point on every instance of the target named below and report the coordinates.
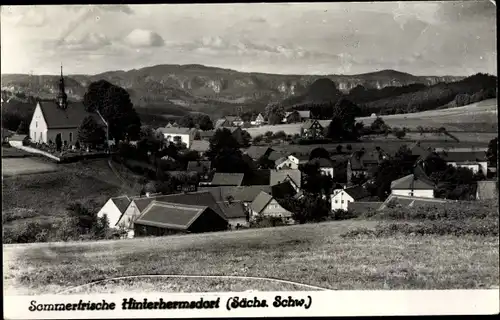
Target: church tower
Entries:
(62, 98)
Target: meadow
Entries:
(25, 166)
(477, 117)
(312, 254)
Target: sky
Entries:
(421, 38)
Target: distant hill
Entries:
(198, 87)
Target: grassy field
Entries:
(313, 254)
(25, 166)
(11, 152)
(478, 117)
(45, 196)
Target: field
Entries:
(11, 152)
(312, 254)
(45, 196)
(23, 166)
(477, 117)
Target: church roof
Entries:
(71, 117)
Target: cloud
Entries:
(91, 41)
(117, 8)
(144, 38)
(24, 16)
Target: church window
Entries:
(71, 137)
(36, 124)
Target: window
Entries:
(36, 124)
(34, 136)
(336, 201)
(71, 137)
(342, 201)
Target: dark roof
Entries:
(121, 202)
(407, 201)
(323, 163)
(309, 123)
(201, 198)
(487, 190)
(176, 173)
(283, 190)
(227, 179)
(207, 134)
(18, 137)
(261, 201)
(243, 193)
(279, 176)
(418, 150)
(199, 166)
(170, 215)
(361, 206)
(463, 156)
(301, 156)
(275, 155)
(221, 123)
(233, 210)
(257, 177)
(357, 192)
(233, 118)
(256, 152)
(71, 117)
(360, 160)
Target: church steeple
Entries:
(62, 98)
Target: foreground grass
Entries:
(313, 254)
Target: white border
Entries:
(324, 303)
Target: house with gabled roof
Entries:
(341, 198)
(475, 161)
(236, 213)
(298, 159)
(59, 118)
(416, 184)
(200, 146)
(178, 135)
(361, 162)
(114, 209)
(202, 168)
(244, 194)
(165, 218)
(227, 179)
(265, 205)
(258, 120)
(279, 176)
(138, 204)
(257, 152)
(312, 129)
(302, 115)
(326, 166)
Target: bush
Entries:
(452, 227)
(26, 232)
(340, 214)
(267, 222)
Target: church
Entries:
(59, 117)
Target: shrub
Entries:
(340, 214)
(26, 232)
(267, 222)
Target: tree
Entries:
(492, 152)
(22, 128)
(274, 113)
(203, 121)
(58, 142)
(294, 117)
(399, 133)
(339, 148)
(378, 125)
(343, 123)
(90, 132)
(115, 106)
(319, 153)
(225, 153)
(246, 138)
(187, 122)
(310, 208)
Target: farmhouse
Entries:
(59, 118)
(164, 218)
(360, 163)
(227, 179)
(257, 152)
(206, 135)
(114, 209)
(236, 213)
(325, 166)
(298, 159)
(340, 198)
(244, 194)
(267, 206)
(284, 163)
(258, 120)
(475, 161)
(138, 204)
(301, 115)
(285, 190)
(178, 135)
(279, 176)
(228, 121)
(312, 129)
(414, 185)
(400, 201)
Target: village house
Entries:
(265, 205)
(243, 194)
(285, 190)
(227, 179)
(361, 162)
(17, 140)
(312, 129)
(178, 135)
(284, 163)
(302, 115)
(228, 121)
(414, 185)
(401, 201)
(325, 166)
(138, 204)
(59, 118)
(205, 135)
(114, 209)
(258, 120)
(165, 218)
(187, 180)
(297, 160)
(236, 213)
(279, 176)
(257, 152)
(475, 161)
(341, 198)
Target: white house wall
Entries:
(425, 193)
(129, 216)
(111, 211)
(340, 200)
(185, 138)
(38, 126)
